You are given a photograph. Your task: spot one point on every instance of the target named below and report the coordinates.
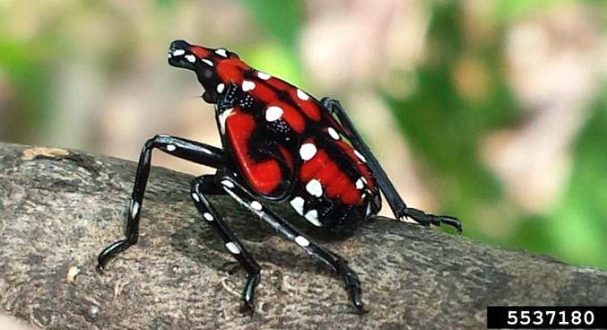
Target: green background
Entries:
(443, 127)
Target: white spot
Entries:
(222, 117)
(208, 216)
(273, 113)
(171, 147)
(333, 133)
(360, 156)
(134, 208)
(178, 52)
(195, 197)
(298, 204)
(220, 87)
(314, 188)
(263, 75)
(369, 209)
(312, 216)
(307, 151)
(191, 58)
(169, 56)
(364, 180)
(255, 205)
(360, 184)
(248, 85)
(302, 95)
(302, 241)
(207, 61)
(221, 52)
(233, 247)
(227, 183)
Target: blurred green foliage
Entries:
(443, 125)
(444, 128)
(281, 20)
(510, 10)
(27, 69)
(576, 229)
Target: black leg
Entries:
(334, 261)
(182, 148)
(208, 183)
(398, 206)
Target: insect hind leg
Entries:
(398, 206)
(231, 242)
(338, 264)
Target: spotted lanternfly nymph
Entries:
(280, 144)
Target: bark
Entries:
(59, 208)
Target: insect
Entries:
(279, 144)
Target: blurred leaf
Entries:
(279, 18)
(509, 10)
(14, 58)
(165, 3)
(28, 72)
(276, 60)
(444, 124)
(579, 226)
(444, 127)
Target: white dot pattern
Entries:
(360, 156)
(263, 75)
(298, 204)
(302, 241)
(273, 113)
(307, 151)
(333, 133)
(233, 247)
(220, 88)
(248, 85)
(134, 208)
(312, 216)
(255, 205)
(302, 95)
(314, 188)
(227, 183)
(191, 58)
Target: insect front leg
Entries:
(398, 206)
(206, 183)
(338, 264)
(182, 148)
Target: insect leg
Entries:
(208, 183)
(398, 206)
(182, 148)
(334, 261)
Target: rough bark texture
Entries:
(59, 208)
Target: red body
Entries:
(284, 143)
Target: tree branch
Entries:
(59, 208)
